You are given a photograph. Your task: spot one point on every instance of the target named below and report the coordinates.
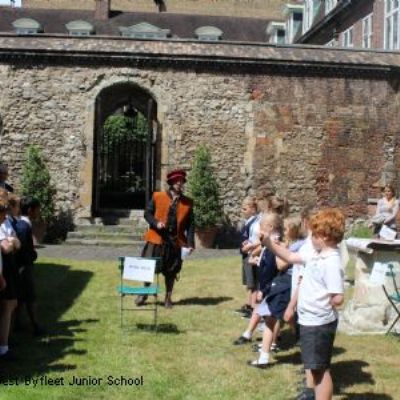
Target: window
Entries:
(79, 28)
(311, 9)
(392, 24)
(348, 37)
(276, 32)
(280, 36)
(367, 32)
(294, 21)
(208, 33)
(27, 26)
(330, 5)
(144, 31)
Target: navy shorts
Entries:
(316, 344)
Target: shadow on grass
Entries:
(58, 288)
(202, 301)
(295, 358)
(348, 373)
(161, 328)
(367, 396)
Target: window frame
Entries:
(347, 34)
(330, 5)
(366, 38)
(290, 30)
(391, 41)
(311, 9)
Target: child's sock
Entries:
(247, 334)
(3, 350)
(263, 358)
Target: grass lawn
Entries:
(192, 356)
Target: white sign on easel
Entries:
(378, 274)
(139, 269)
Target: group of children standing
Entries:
(17, 257)
(292, 272)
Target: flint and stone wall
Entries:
(320, 139)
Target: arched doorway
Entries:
(125, 148)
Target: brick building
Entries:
(368, 24)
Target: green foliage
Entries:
(35, 182)
(119, 127)
(360, 231)
(203, 189)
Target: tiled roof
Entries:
(181, 25)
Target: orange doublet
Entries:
(162, 202)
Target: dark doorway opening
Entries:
(125, 148)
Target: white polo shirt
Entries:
(323, 276)
(6, 230)
(254, 231)
(297, 270)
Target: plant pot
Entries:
(205, 237)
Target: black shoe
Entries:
(247, 314)
(241, 340)
(140, 300)
(306, 394)
(8, 357)
(275, 349)
(39, 331)
(244, 309)
(255, 348)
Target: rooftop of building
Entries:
(181, 26)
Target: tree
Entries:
(36, 182)
(203, 188)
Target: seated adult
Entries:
(386, 210)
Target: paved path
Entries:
(76, 252)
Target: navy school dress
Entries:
(267, 271)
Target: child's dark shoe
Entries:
(241, 340)
(39, 331)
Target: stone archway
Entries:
(125, 161)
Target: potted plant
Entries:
(203, 189)
(35, 182)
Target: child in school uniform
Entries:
(23, 212)
(2, 280)
(276, 300)
(320, 292)
(249, 212)
(248, 247)
(267, 270)
(9, 245)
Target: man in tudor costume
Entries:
(171, 227)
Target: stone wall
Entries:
(314, 137)
(324, 140)
(238, 8)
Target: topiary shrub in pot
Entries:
(203, 188)
(35, 182)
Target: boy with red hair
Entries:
(319, 294)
